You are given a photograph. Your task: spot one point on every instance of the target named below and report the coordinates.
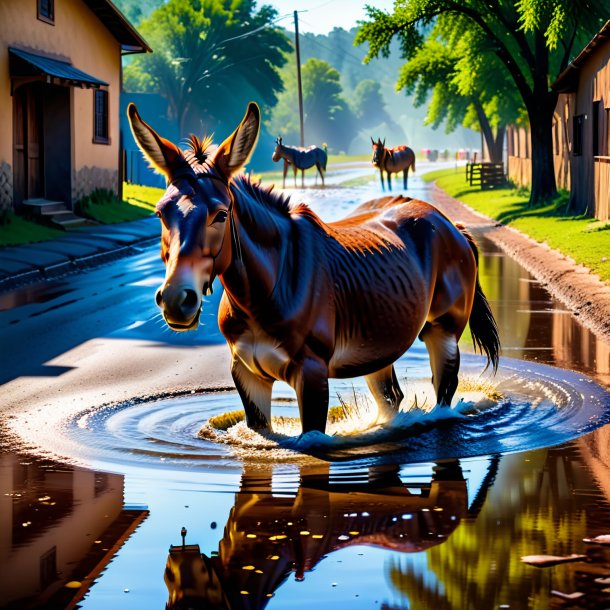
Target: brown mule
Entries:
(392, 161)
(304, 300)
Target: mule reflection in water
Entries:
(267, 538)
(305, 300)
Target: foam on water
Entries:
(526, 406)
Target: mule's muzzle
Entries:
(181, 307)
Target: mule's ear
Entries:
(235, 151)
(161, 153)
(373, 141)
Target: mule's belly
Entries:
(367, 352)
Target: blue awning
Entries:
(25, 64)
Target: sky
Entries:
(321, 16)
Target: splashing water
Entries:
(528, 406)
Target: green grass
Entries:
(145, 197)
(585, 240)
(19, 231)
(103, 206)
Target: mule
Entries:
(305, 300)
(393, 160)
(300, 158)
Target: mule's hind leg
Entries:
(405, 178)
(387, 393)
(389, 181)
(444, 360)
(255, 394)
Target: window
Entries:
(46, 11)
(595, 139)
(100, 117)
(577, 127)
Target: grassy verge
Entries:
(103, 206)
(17, 231)
(585, 240)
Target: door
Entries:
(28, 143)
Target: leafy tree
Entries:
(534, 41)
(210, 57)
(136, 10)
(328, 118)
(469, 85)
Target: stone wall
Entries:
(87, 179)
(6, 186)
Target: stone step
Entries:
(68, 220)
(45, 207)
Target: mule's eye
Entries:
(220, 217)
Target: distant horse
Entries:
(305, 300)
(393, 160)
(300, 158)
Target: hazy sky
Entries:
(321, 16)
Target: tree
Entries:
(469, 85)
(210, 57)
(328, 118)
(534, 41)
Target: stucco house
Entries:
(60, 80)
(581, 132)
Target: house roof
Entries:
(568, 80)
(24, 63)
(119, 26)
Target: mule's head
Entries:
(195, 212)
(378, 152)
(278, 148)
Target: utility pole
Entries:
(298, 52)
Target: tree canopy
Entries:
(328, 117)
(469, 86)
(533, 40)
(210, 58)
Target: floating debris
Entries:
(575, 595)
(544, 561)
(603, 539)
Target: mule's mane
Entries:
(199, 153)
(264, 195)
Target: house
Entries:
(60, 79)
(585, 94)
(581, 132)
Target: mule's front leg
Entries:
(255, 394)
(310, 382)
(381, 176)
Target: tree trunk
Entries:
(544, 187)
(494, 144)
(497, 155)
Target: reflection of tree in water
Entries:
(537, 505)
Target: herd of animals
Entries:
(388, 160)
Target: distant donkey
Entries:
(393, 160)
(300, 158)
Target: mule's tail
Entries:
(483, 326)
(325, 149)
(413, 164)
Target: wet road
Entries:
(391, 536)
